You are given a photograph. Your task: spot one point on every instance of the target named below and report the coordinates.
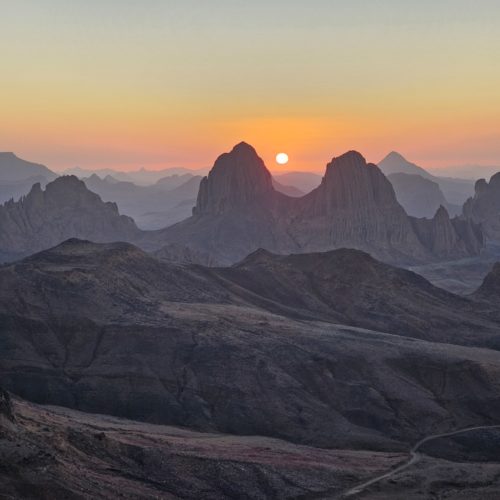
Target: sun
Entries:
(282, 158)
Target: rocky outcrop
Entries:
(355, 206)
(65, 209)
(237, 179)
(420, 197)
(449, 238)
(484, 207)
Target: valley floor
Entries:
(53, 452)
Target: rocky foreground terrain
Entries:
(110, 329)
(52, 452)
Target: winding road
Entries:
(414, 457)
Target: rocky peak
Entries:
(484, 207)
(480, 186)
(65, 209)
(395, 162)
(350, 183)
(442, 214)
(237, 179)
(495, 181)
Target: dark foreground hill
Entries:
(53, 452)
(352, 288)
(109, 329)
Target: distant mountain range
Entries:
(420, 196)
(17, 176)
(169, 200)
(240, 207)
(456, 191)
(141, 177)
(305, 182)
(238, 211)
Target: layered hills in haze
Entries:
(17, 176)
(420, 196)
(167, 201)
(456, 191)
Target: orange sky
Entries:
(167, 83)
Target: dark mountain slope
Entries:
(350, 287)
(108, 329)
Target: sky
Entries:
(161, 83)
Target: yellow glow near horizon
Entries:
(153, 84)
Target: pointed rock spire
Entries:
(237, 179)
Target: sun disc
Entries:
(282, 158)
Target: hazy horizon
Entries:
(165, 83)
